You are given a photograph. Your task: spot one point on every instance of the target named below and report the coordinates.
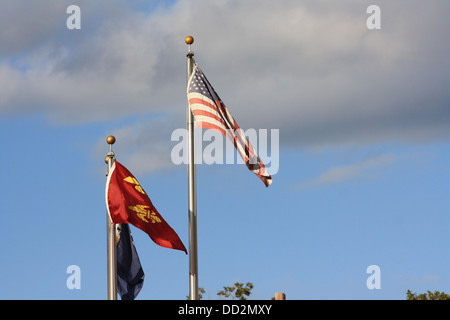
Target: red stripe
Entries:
(202, 102)
(207, 114)
(207, 125)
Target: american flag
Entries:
(210, 113)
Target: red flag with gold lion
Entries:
(127, 202)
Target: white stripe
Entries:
(206, 119)
(200, 96)
(199, 106)
(108, 180)
(209, 109)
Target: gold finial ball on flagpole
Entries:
(106, 159)
(189, 40)
(111, 140)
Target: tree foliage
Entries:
(238, 291)
(427, 296)
(201, 291)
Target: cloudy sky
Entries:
(364, 125)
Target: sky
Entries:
(360, 166)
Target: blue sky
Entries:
(364, 126)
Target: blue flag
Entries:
(130, 275)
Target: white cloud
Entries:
(144, 147)
(429, 278)
(368, 168)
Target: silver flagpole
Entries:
(111, 234)
(192, 192)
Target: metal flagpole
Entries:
(111, 234)
(192, 192)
